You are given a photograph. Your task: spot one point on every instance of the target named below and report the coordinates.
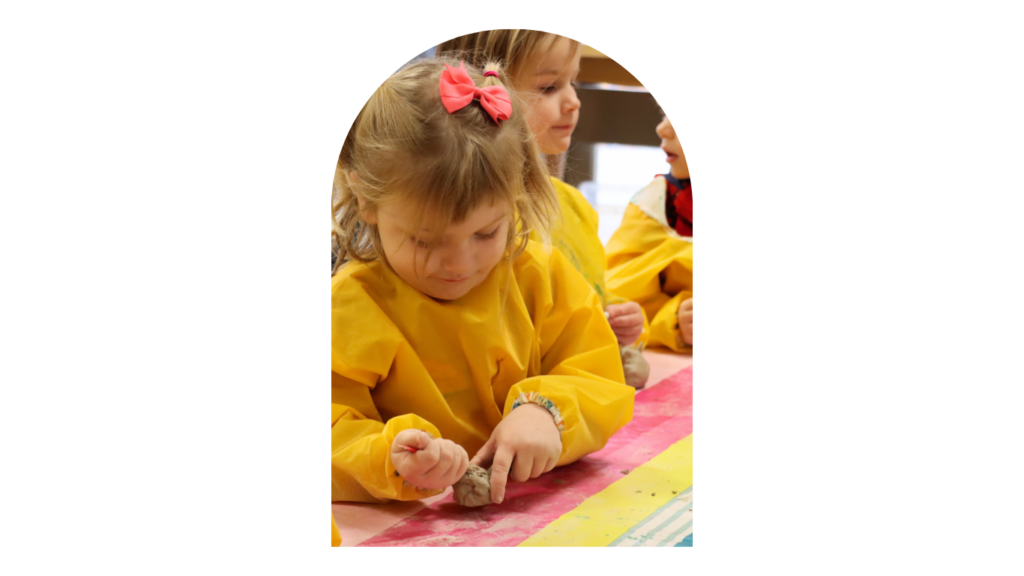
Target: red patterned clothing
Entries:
(679, 205)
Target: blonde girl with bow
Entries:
(453, 333)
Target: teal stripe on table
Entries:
(679, 534)
(676, 516)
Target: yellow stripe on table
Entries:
(605, 516)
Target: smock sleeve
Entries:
(361, 467)
(580, 365)
(653, 267)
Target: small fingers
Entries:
(550, 465)
(521, 468)
(538, 467)
(627, 320)
(462, 460)
(688, 334)
(451, 464)
(417, 439)
(630, 337)
(499, 473)
(429, 454)
(441, 464)
(414, 466)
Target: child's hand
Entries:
(627, 321)
(437, 463)
(685, 317)
(526, 442)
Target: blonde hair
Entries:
(511, 48)
(405, 146)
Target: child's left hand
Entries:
(685, 317)
(526, 442)
(627, 321)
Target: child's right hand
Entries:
(685, 317)
(437, 463)
(626, 320)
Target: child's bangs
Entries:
(451, 185)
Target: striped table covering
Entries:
(636, 491)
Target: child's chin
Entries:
(452, 293)
(679, 172)
(557, 145)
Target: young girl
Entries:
(543, 68)
(650, 256)
(452, 333)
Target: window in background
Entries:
(620, 171)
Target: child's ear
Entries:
(370, 216)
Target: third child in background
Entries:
(650, 256)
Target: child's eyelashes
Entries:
(552, 88)
(428, 244)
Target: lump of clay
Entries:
(474, 488)
(635, 366)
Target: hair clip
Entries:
(458, 90)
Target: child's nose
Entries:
(572, 102)
(664, 129)
(457, 262)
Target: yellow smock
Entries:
(335, 535)
(575, 235)
(650, 263)
(402, 360)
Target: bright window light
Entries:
(620, 171)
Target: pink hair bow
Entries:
(458, 90)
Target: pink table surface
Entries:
(439, 521)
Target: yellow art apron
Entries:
(401, 360)
(648, 262)
(575, 235)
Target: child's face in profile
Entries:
(449, 265)
(673, 149)
(548, 79)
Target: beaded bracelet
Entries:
(536, 398)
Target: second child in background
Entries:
(650, 256)
(543, 68)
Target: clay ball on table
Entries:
(474, 488)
